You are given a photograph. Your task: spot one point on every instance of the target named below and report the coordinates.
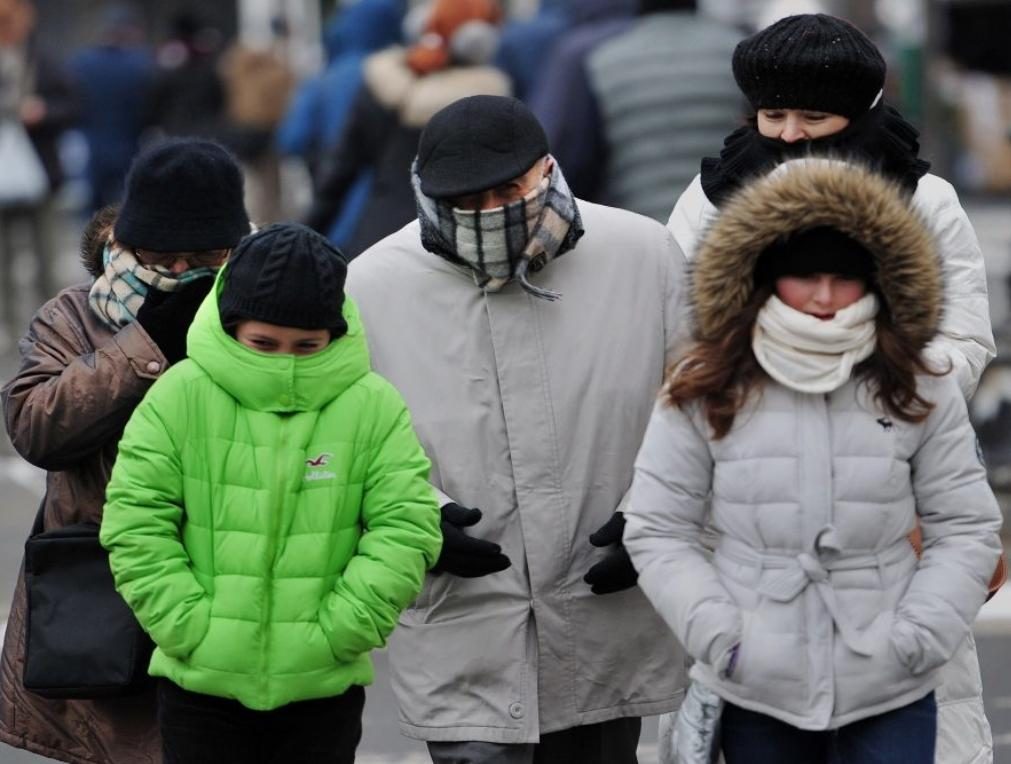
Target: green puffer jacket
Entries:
(269, 516)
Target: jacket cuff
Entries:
(146, 360)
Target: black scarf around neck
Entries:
(881, 139)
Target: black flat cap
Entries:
(477, 143)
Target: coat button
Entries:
(516, 710)
(153, 367)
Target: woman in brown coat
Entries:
(88, 358)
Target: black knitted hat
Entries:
(811, 61)
(478, 143)
(183, 195)
(816, 250)
(285, 274)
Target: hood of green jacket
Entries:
(276, 383)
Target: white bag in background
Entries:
(23, 179)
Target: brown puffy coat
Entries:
(65, 411)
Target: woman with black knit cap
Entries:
(806, 429)
(816, 84)
(90, 355)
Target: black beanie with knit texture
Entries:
(811, 61)
(182, 195)
(816, 250)
(288, 275)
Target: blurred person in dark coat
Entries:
(526, 44)
(37, 92)
(665, 96)
(563, 100)
(113, 78)
(402, 89)
(258, 84)
(320, 106)
(188, 96)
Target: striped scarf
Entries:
(505, 243)
(118, 293)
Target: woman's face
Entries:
(792, 125)
(820, 295)
(271, 338)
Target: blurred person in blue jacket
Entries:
(526, 44)
(320, 106)
(403, 88)
(113, 79)
(563, 100)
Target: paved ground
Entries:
(21, 488)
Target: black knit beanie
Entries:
(183, 195)
(285, 274)
(811, 61)
(816, 250)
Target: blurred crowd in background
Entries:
(323, 102)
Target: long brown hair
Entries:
(723, 373)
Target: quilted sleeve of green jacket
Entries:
(401, 539)
(141, 522)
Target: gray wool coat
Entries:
(532, 411)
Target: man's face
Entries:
(506, 193)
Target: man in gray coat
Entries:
(528, 332)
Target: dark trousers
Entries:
(612, 742)
(203, 729)
(903, 736)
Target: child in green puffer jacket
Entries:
(269, 514)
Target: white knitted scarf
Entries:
(810, 355)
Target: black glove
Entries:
(463, 555)
(166, 316)
(615, 572)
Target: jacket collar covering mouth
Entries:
(276, 383)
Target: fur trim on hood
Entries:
(807, 193)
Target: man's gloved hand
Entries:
(615, 572)
(463, 555)
(166, 316)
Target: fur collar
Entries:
(803, 194)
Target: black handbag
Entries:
(81, 638)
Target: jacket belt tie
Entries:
(812, 569)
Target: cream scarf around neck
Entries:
(810, 355)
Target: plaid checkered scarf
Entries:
(505, 243)
(118, 293)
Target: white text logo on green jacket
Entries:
(313, 471)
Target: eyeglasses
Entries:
(207, 259)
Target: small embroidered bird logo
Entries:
(319, 461)
(886, 423)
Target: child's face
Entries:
(271, 338)
(820, 294)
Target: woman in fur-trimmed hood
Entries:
(806, 426)
(816, 83)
